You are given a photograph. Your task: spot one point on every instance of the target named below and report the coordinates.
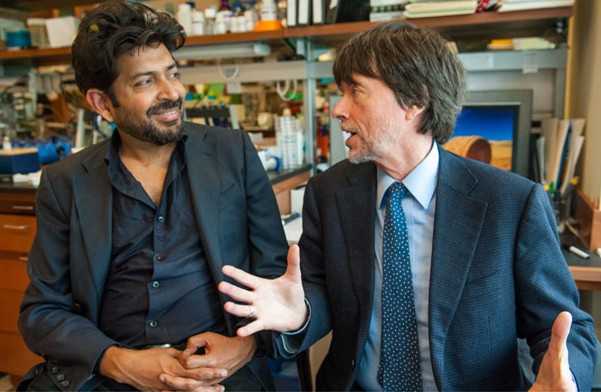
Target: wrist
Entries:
(111, 365)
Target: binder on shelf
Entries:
(340, 11)
(319, 12)
(304, 12)
(292, 13)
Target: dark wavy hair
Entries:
(113, 29)
(416, 64)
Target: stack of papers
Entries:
(519, 5)
(428, 9)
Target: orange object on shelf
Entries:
(268, 25)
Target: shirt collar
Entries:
(115, 171)
(421, 182)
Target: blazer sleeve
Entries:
(312, 269)
(51, 321)
(268, 245)
(545, 288)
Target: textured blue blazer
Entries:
(232, 202)
(497, 275)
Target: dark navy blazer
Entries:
(497, 275)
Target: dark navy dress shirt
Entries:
(159, 288)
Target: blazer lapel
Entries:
(356, 204)
(205, 186)
(452, 254)
(95, 215)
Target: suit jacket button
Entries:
(54, 369)
(60, 377)
(65, 383)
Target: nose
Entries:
(170, 90)
(340, 111)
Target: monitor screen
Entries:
(497, 124)
(504, 119)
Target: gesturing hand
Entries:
(275, 304)
(554, 373)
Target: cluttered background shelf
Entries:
(481, 25)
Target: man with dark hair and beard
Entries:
(132, 232)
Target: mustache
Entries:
(165, 105)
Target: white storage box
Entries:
(61, 31)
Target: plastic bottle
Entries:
(198, 23)
(210, 20)
(6, 144)
(184, 17)
(225, 6)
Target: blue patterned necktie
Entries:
(399, 368)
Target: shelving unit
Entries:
(309, 41)
(484, 25)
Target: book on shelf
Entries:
(340, 11)
(319, 12)
(304, 12)
(560, 143)
(291, 13)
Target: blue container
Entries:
(18, 39)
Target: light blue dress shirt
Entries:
(419, 206)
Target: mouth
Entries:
(351, 135)
(168, 111)
(167, 115)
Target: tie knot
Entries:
(396, 192)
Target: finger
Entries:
(199, 377)
(206, 388)
(193, 344)
(293, 269)
(240, 276)
(559, 334)
(251, 328)
(235, 292)
(237, 309)
(211, 388)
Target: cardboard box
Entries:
(19, 161)
(588, 217)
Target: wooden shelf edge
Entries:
(338, 29)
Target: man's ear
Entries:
(101, 103)
(412, 112)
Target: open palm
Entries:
(275, 304)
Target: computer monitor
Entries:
(503, 117)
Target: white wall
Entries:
(583, 99)
(584, 88)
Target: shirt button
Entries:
(161, 219)
(155, 284)
(160, 258)
(153, 323)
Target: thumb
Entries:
(293, 270)
(559, 335)
(557, 350)
(194, 343)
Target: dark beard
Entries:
(146, 130)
